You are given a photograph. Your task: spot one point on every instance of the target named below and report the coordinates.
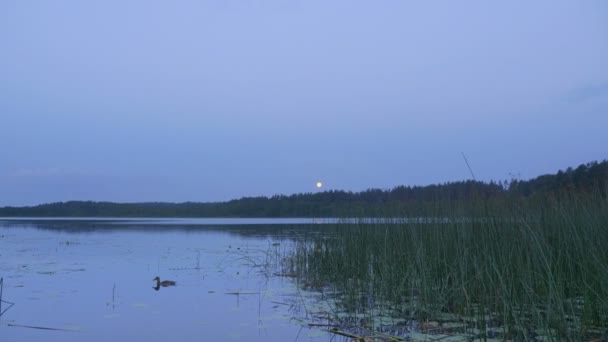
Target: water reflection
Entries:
(57, 275)
(275, 230)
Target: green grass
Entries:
(534, 267)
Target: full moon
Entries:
(319, 184)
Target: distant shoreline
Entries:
(401, 201)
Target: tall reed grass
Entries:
(530, 267)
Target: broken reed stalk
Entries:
(38, 327)
(349, 335)
(10, 304)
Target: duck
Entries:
(164, 283)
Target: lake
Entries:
(91, 280)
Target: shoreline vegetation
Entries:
(526, 273)
(443, 200)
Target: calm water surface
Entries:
(93, 280)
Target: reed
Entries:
(10, 304)
(534, 267)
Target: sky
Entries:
(143, 100)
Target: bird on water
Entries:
(163, 283)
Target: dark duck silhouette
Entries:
(164, 283)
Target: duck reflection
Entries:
(164, 283)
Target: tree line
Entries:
(590, 178)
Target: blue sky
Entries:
(213, 100)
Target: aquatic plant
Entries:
(519, 269)
(10, 304)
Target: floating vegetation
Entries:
(73, 329)
(65, 270)
(68, 243)
(238, 293)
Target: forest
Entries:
(401, 201)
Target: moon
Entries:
(319, 184)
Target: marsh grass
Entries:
(528, 269)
